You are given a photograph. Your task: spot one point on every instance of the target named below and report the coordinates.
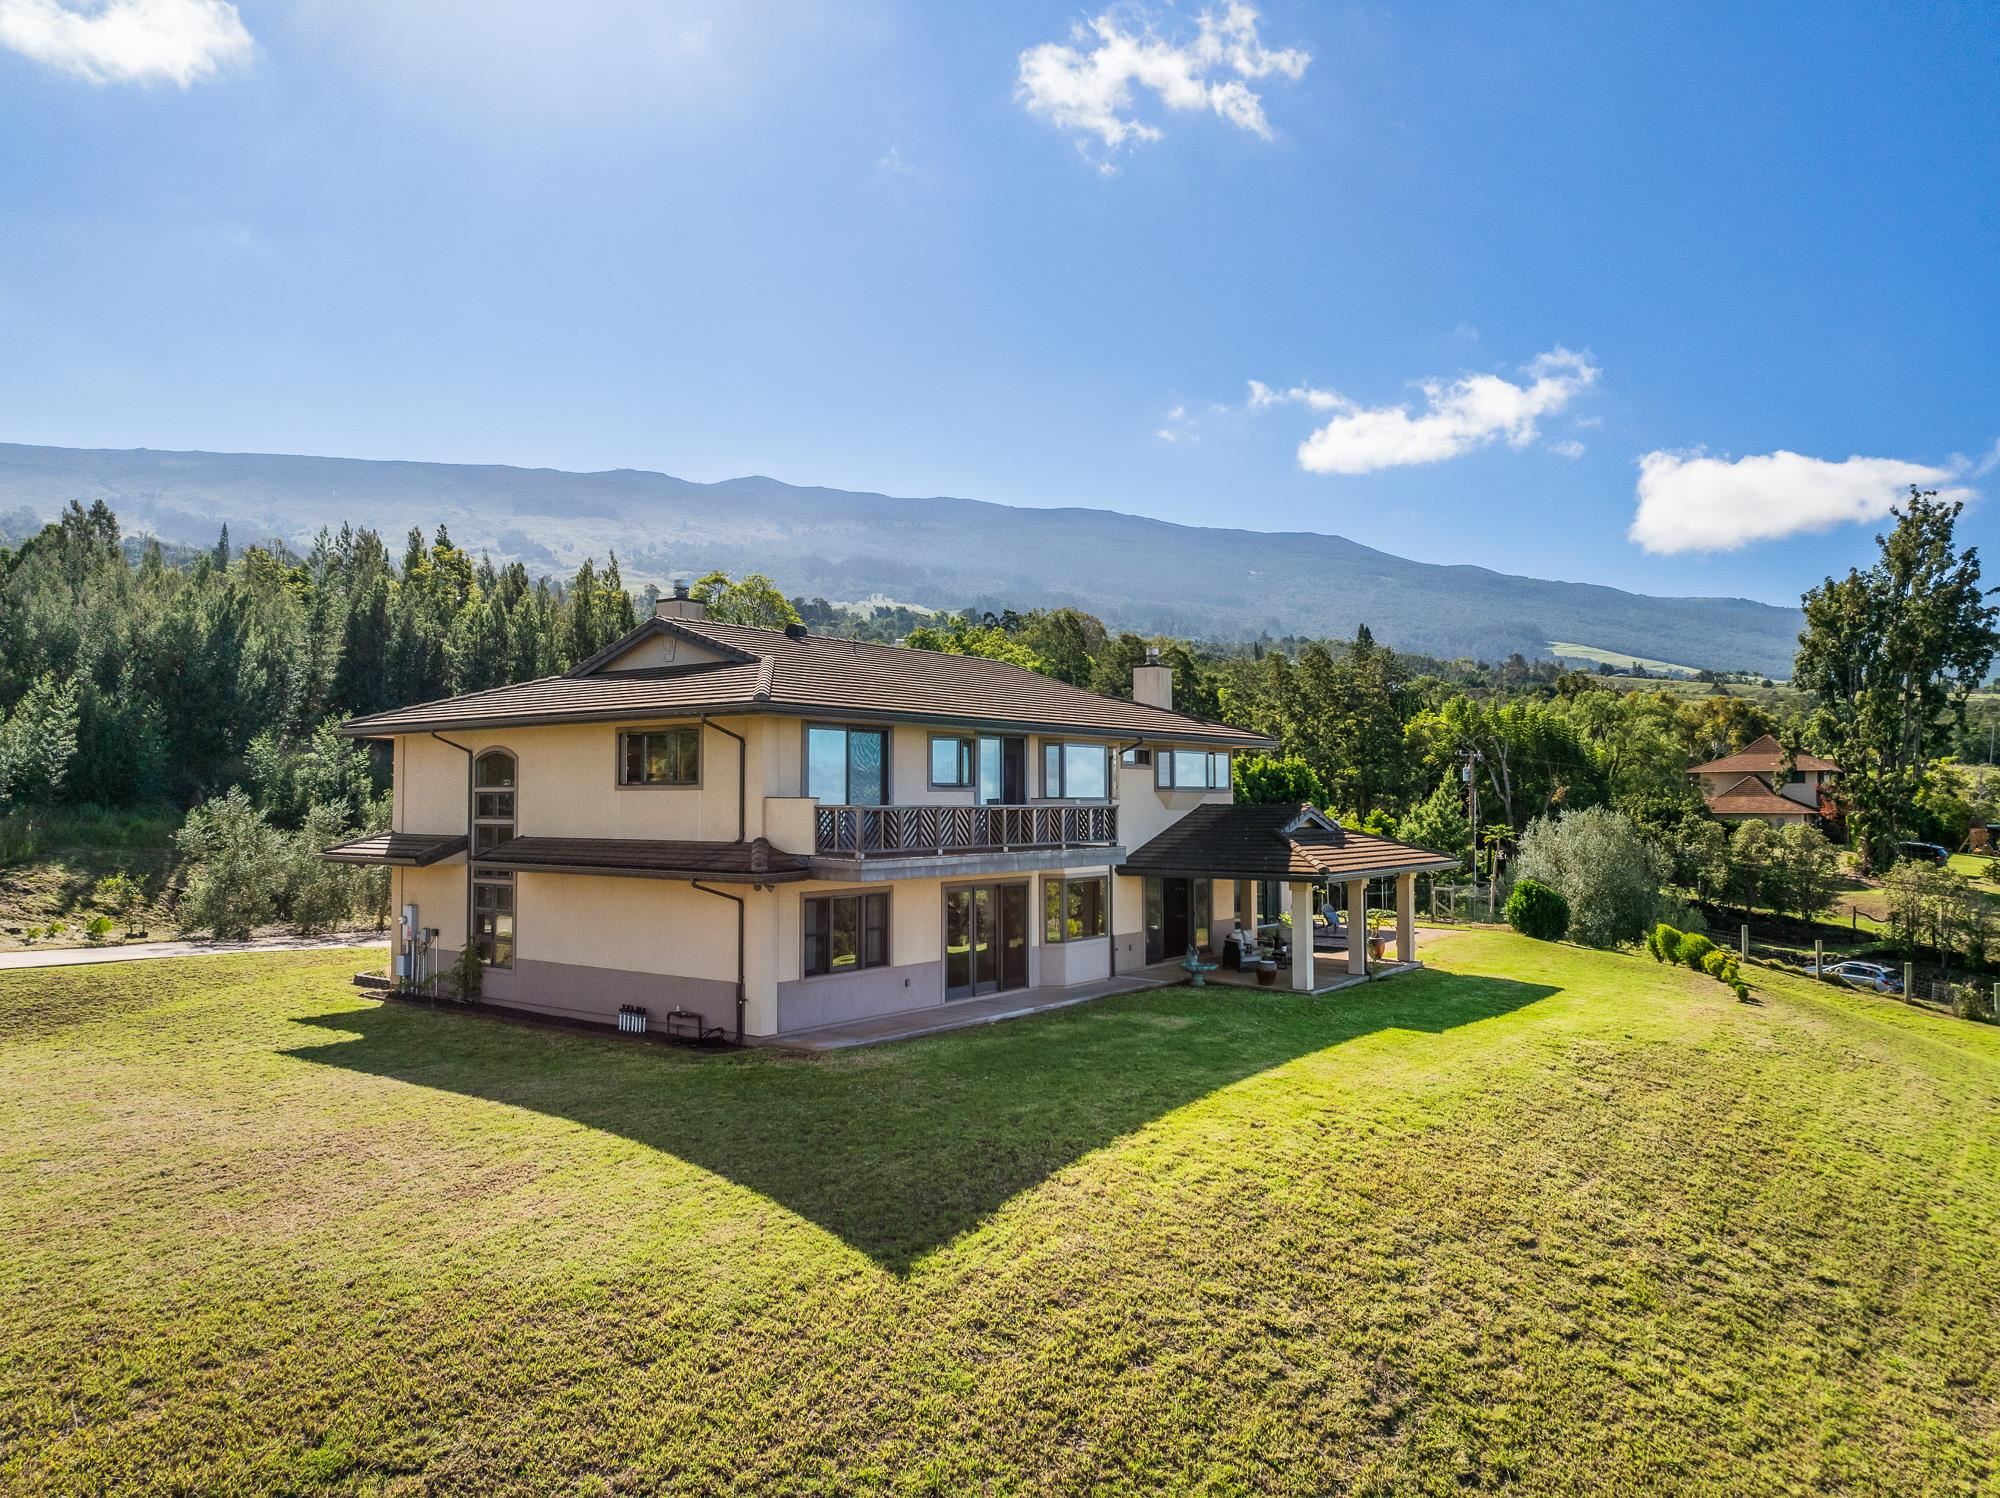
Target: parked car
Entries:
(1872, 976)
(1924, 853)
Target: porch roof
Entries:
(1289, 841)
(410, 850)
(754, 862)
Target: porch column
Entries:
(1302, 936)
(1406, 917)
(1357, 927)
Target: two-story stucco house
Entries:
(781, 832)
(1761, 783)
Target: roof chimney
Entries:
(678, 605)
(1153, 683)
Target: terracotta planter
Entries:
(1267, 973)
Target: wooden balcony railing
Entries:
(915, 830)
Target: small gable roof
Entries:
(1752, 796)
(1286, 840)
(1761, 758)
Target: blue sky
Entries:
(1492, 268)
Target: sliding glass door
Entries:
(985, 939)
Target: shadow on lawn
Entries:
(898, 1149)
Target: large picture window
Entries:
(1072, 909)
(493, 792)
(847, 766)
(1192, 769)
(846, 933)
(1076, 772)
(660, 756)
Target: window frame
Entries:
(968, 760)
(1060, 749)
(847, 769)
(1060, 886)
(1165, 769)
(864, 900)
(625, 782)
(485, 939)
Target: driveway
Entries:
(139, 951)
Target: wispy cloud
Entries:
(1567, 447)
(893, 165)
(1458, 416)
(1086, 85)
(128, 41)
(1692, 502)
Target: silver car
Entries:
(1872, 976)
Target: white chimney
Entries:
(1153, 683)
(678, 605)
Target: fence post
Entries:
(1743, 942)
(1909, 983)
(1819, 957)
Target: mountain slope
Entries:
(1134, 572)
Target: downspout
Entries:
(742, 780)
(737, 900)
(1111, 876)
(462, 749)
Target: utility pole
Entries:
(1472, 757)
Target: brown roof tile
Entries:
(1761, 758)
(1284, 841)
(755, 862)
(413, 850)
(1753, 796)
(816, 675)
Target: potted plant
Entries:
(1267, 971)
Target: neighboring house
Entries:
(781, 831)
(1764, 783)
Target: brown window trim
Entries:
(1062, 882)
(971, 741)
(860, 892)
(888, 732)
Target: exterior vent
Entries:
(795, 631)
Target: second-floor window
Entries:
(1076, 772)
(660, 756)
(492, 800)
(952, 761)
(847, 766)
(1192, 769)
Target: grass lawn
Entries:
(1539, 1219)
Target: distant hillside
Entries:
(1134, 572)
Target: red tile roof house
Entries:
(1760, 783)
(787, 834)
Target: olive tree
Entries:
(1606, 869)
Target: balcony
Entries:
(936, 831)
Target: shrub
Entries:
(1603, 866)
(97, 928)
(1971, 1001)
(1742, 992)
(235, 867)
(1714, 962)
(1534, 909)
(120, 894)
(1663, 941)
(1681, 914)
(1691, 949)
(466, 974)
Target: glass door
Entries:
(985, 939)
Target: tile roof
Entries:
(768, 671)
(1762, 757)
(755, 862)
(1289, 840)
(1752, 796)
(414, 850)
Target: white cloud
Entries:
(1467, 413)
(893, 165)
(1692, 502)
(127, 41)
(1568, 447)
(1086, 85)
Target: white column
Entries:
(1406, 917)
(1357, 927)
(1302, 936)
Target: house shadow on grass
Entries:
(898, 1149)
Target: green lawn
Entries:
(1539, 1219)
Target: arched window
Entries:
(493, 789)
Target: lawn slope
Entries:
(1541, 1219)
